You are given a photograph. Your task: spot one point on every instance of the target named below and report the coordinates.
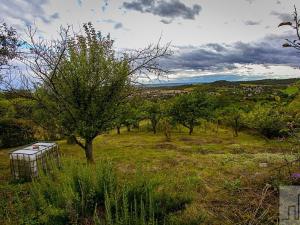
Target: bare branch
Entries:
(295, 25)
(146, 61)
(285, 24)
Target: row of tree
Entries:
(271, 119)
(23, 120)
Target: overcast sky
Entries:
(211, 39)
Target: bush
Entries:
(15, 132)
(84, 194)
(268, 121)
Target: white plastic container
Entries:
(26, 162)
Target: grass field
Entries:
(230, 180)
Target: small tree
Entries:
(232, 116)
(187, 109)
(125, 116)
(218, 117)
(167, 127)
(153, 111)
(81, 81)
(138, 114)
(118, 122)
(220, 102)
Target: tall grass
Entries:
(84, 194)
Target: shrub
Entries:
(267, 120)
(15, 132)
(91, 194)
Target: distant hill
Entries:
(224, 83)
(271, 81)
(280, 82)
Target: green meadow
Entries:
(226, 179)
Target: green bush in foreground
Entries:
(81, 194)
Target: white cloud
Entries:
(223, 24)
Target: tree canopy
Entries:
(9, 44)
(188, 109)
(81, 80)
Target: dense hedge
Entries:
(15, 132)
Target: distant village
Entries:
(162, 93)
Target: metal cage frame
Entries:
(26, 162)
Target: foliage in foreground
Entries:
(81, 194)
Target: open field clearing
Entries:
(226, 179)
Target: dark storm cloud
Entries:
(216, 56)
(55, 16)
(105, 5)
(26, 11)
(251, 23)
(118, 25)
(139, 5)
(282, 16)
(216, 47)
(163, 8)
(79, 2)
(166, 21)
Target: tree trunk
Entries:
(128, 128)
(154, 127)
(191, 130)
(89, 151)
(136, 125)
(118, 130)
(236, 128)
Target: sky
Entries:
(211, 39)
